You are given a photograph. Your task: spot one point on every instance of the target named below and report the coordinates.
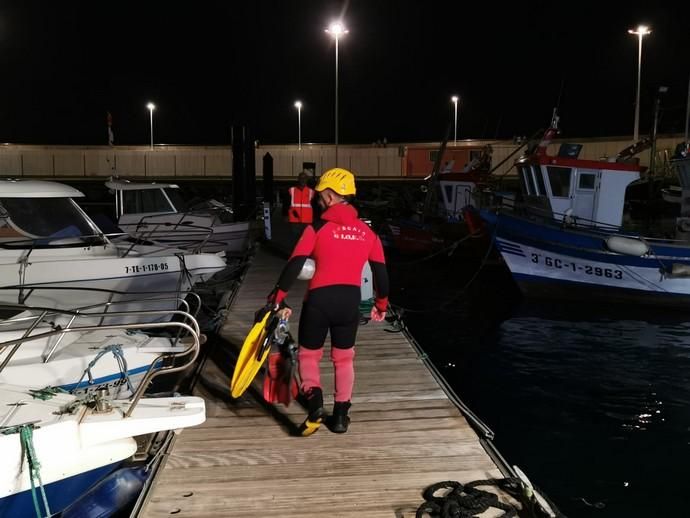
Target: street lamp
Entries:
(455, 99)
(336, 29)
(151, 107)
(298, 105)
(641, 31)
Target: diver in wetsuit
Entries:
(340, 244)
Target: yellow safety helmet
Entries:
(341, 181)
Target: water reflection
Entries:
(592, 401)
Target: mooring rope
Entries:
(119, 355)
(26, 437)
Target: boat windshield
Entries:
(177, 200)
(41, 222)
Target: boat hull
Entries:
(71, 279)
(60, 494)
(70, 440)
(556, 262)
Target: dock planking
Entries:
(405, 434)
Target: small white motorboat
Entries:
(156, 212)
(52, 254)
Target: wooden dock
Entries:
(405, 434)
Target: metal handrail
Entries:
(36, 319)
(19, 343)
(153, 371)
(173, 296)
(44, 242)
(175, 226)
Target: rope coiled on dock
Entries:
(451, 499)
(463, 500)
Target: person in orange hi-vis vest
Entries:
(300, 211)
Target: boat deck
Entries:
(243, 461)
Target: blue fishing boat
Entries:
(566, 238)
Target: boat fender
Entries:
(627, 246)
(307, 271)
(114, 493)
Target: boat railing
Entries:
(131, 297)
(127, 242)
(163, 364)
(603, 230)
(182, 230)
(208, 211)
(42, 314)
(29, 243)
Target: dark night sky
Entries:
(208, 65)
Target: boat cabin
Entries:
(36, 213)
(565, 186)
(142, 199)
(457, 191)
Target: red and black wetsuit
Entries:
(340, 244)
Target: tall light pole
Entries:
(151, 107)
(455, 99)
(336, 29)
(298, 105)
(641, 31)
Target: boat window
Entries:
(48, 220)
(526, 178)
(145, 201)
(177, 200)
(559, 179)
(540, 179)
(586, 181)
(448, 193)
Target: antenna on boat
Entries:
(657, 109)
(560, 94)
(555, 118)
(687, 117)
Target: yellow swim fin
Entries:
(252, 355)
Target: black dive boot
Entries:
(339, 421)
(315, 412)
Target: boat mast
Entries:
(432, 182)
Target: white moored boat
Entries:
(74, 443)
(156, 212)
(53, 255)
(55, 349)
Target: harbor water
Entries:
(592, 402)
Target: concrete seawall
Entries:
(213, 162)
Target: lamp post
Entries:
(455, 99)
(151, 107)
(298, 105)
(641, 32)
(336, 29)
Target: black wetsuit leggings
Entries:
(330, 308)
